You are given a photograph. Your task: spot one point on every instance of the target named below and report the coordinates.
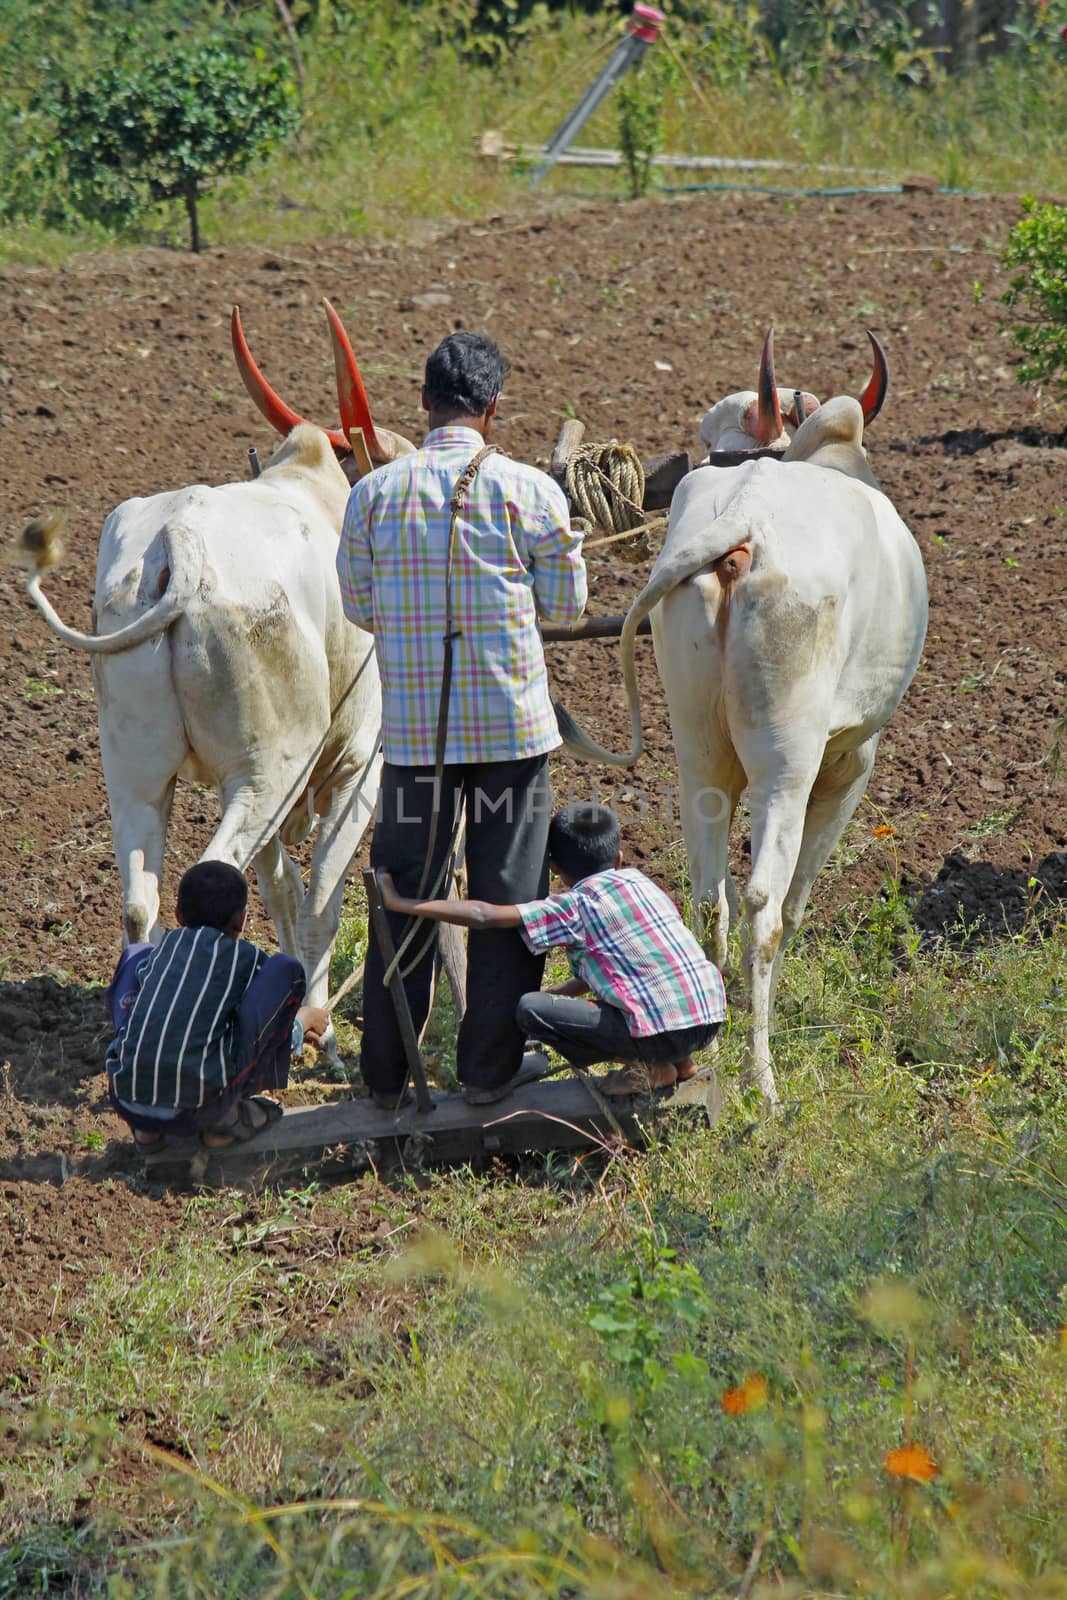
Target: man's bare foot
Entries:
(639, 1079)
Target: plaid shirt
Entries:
(516, 559)
(627, 941)
(179, 1048)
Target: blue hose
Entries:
(762, 188)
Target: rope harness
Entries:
(606, 483)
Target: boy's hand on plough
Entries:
(391, 900)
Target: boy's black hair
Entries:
(464, 373)
(583, 838)
(211, 895)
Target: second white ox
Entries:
(788, 608)
(221, 654)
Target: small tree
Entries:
(641, 98)
(1038, 245)
(150, 128)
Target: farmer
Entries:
(205, 1021)
(455, 542)
(656, 998)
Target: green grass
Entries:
(508, 1383)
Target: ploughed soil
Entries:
(116, 379)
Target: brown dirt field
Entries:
(116, 379)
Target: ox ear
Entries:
(769, 413)
(360, 461)
(391, 445)
(361, 457)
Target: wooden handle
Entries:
(589, 628)
(570, 437)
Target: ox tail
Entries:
(576, 741)
(185, 559)
(715, 552)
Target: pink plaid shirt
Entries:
(516, 560)
(624, 937)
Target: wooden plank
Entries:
(737, 458)
(558, 1114)
(663, 474)
(589, 628)
(571, 434)
(397, 992)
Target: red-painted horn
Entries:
(351, 395)
(872, 397)
(769, 427)
(280, 416)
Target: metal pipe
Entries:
(642, 29)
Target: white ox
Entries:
(788, 608)
(221, 654)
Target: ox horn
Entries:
(351, 395)
(769, 425)
(872, 397)
(280, 416)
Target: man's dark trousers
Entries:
(508, 807)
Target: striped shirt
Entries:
(626, 940)
(516, 559)
(179, 1048)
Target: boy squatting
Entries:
(656, 998)
(205, 1021)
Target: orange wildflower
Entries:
(884, 830)
(750, 1397)
(912, 1461)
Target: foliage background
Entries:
(845, 95)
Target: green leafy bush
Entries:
(148, 128)
(1037, 245)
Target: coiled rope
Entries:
(605, 483)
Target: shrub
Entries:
(1037, 245)
(152, 127)
(640, 102)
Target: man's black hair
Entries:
(464, 374)
(583, 838)
(211, 895)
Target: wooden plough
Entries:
(564, 1113)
